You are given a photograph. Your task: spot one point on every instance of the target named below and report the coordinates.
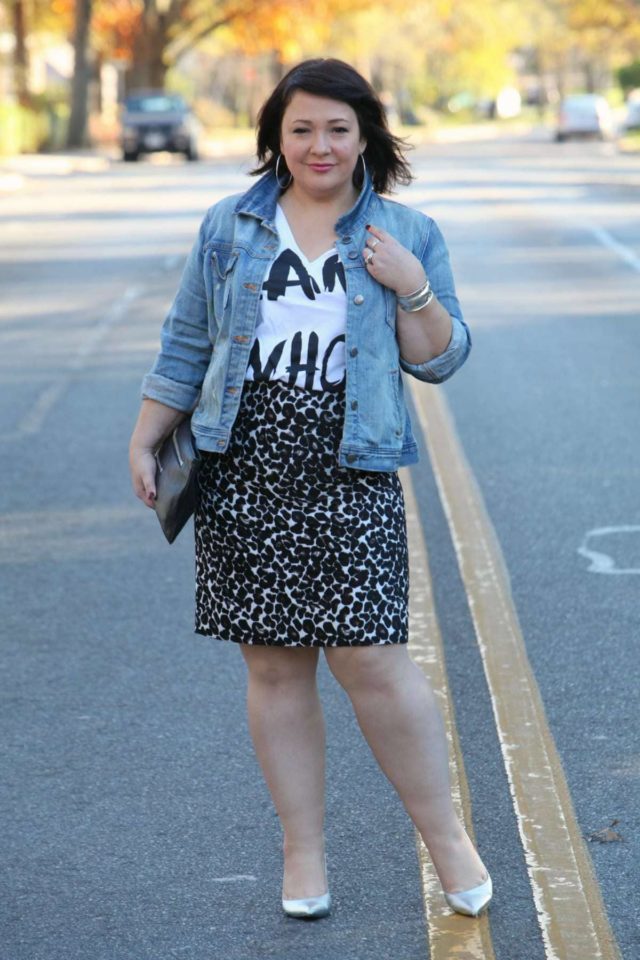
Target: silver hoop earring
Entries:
(283, 186)
(356, 180)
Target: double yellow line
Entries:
(571, 916)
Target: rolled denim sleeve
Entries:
(437, 265)
(185, 345)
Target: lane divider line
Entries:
(571, 914)
(607, 240)
(449, 934)
(33, 420)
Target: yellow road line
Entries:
(567, 897)
(450, 935)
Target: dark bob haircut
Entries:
(335, 80)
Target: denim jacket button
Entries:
(346, 239)
(354, 351)
(351, 458)
(353, 254)
(358, 299)
(354, 404)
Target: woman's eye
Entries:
(300, 130)
(340, 130)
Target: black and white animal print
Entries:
(292, 549)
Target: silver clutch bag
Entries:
(176, 480)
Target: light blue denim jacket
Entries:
(209, 331)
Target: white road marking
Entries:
(624, 252)
(604, 562)
(233, 879)
(34, 418)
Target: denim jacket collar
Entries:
(261, 200)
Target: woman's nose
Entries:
(320, 143)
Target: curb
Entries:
(17, 171)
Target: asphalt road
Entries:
(136, 823)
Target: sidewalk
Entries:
(16, 171)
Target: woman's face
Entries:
(320, 141)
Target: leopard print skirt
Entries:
(293, 550)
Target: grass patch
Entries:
(630, 142)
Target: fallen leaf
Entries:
(606, 835)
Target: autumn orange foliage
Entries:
(116, 25)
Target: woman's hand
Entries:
(422, 334)
(391, 264)
(155, 422)
(143, 468)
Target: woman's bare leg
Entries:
(399, 717)
(287, 728)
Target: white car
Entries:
(632, 118)
(585, 115)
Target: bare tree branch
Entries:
(186, 43)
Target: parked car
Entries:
(585, 115)
(153, 120)
(631, 121)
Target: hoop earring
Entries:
(357, 181)
(283, 186)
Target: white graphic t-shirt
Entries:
(301, 324)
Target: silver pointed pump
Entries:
(471, 902)
(309, 908)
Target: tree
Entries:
(603, 30)
(591, 35)
(424, 54)
(160, 32)
(20, 57)
(77, 133)
(167, 29)
(629, 76)
(291, 30)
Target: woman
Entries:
(300, 303)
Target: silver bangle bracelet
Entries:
(417, 300)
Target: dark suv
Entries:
(153, 120)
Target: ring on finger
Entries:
(373, 243)
(369, 258)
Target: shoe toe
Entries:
(472, 902)
(309, 908)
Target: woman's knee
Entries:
(371, 668)
(277, 666)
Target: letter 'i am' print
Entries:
(301, 327)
